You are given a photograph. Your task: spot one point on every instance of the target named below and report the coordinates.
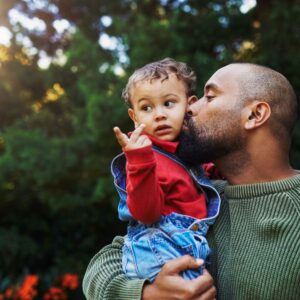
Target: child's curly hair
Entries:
(161, 70)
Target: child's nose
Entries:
(160, 114)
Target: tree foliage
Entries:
(58, 204)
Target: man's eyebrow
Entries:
(211, 86)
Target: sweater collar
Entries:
(244, 191)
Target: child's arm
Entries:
(145, 197)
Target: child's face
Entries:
(160, 105)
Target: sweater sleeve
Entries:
(104, 278)
(145, 196)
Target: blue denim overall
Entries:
(148, 247)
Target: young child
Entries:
(169, 205)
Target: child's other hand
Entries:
(135, 141)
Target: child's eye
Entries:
(169, 103)
(146, 108)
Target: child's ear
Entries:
(132, 116)
(192, 99)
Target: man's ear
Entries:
(192, 99)
(256, 114)
(132, 116)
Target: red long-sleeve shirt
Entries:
(156, 185)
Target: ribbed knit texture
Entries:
(256, 241)
(104, 278)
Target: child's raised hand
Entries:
(135, 141)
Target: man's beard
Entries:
(203, 144)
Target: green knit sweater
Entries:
(255, 242)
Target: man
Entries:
(243, 124)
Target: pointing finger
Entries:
(137, 132)
(144, 140)
(121, 137)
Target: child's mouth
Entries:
(163, 129)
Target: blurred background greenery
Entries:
(63, 64)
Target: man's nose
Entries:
(192, 109)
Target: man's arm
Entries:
(104, 278)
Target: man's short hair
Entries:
(161, 70)
(264, 84)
